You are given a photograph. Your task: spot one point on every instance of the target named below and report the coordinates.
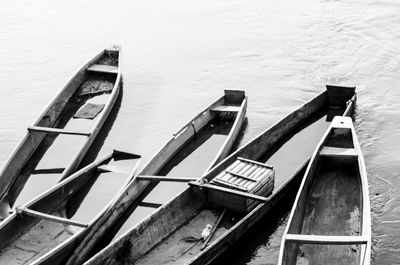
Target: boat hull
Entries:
(330, 219)
(255, 149)
(21, 164)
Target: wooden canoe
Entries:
(55, 145)
(169, 236)
(57, 220)
(330, 220)
(226, 113)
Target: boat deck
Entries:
(333, 208)
(185, 242)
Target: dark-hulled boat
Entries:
(57, 142)
(330, 221)
(173, 234)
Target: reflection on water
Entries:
(179, 55)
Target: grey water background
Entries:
(178, 56)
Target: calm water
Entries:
(180, 55)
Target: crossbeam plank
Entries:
(224, 108)
(162, 178)
(231, 191)
(150, 204)
(326, 240)
(229, 184)
(102, 68)
(336, 151)
(56, 130)
(36, 214)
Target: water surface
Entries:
(179, 55)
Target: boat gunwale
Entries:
(365, 222)
(262, 208)
(222, 165)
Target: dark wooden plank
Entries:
(326, 240)
(150, 204)
(162, 178)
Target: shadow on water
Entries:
(42, 154)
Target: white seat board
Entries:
(336, 151)
(224, 108)
(102, 68)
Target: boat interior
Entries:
(171, 235)
(73, 116)
(175, 234)
(65, 211)
(330, 204)
(192, 160)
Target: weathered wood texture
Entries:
(332, 201)
(47, 207)
(49, 118)
(253, 150)
(137, 186)
(16, 225)
(244, 175)
(152, 230)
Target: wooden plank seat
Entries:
(326, 240)
(225, 108)
(103, 68)
(244, 174)
(240, 185)
(336, 151)
(166, 178)
(36, 214)
(57, 130)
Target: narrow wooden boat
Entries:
(222, 119)
(58, 219)
(330, 221)
(57, 142)
(171, 235)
